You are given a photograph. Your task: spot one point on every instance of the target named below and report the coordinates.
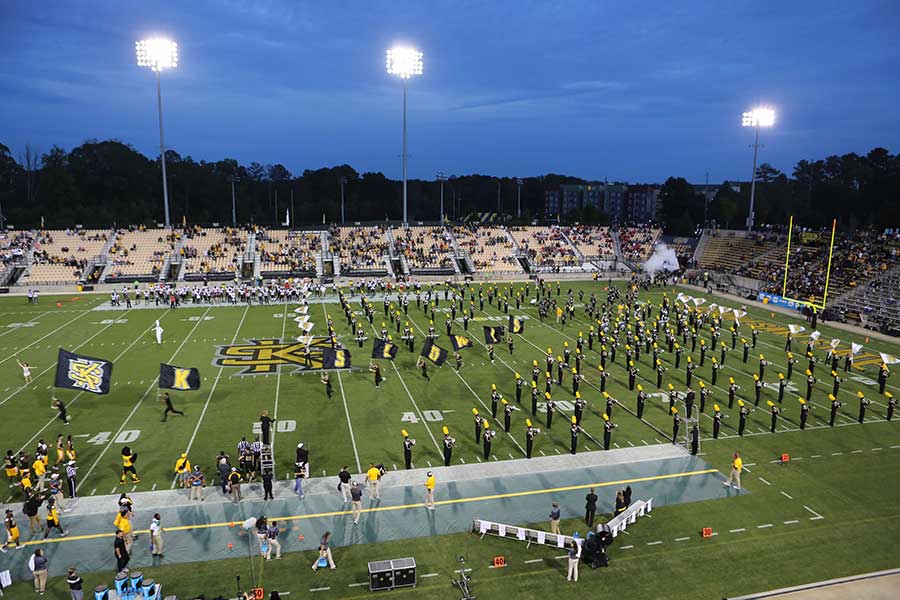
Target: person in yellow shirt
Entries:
(128, 460)
(737, 465)
(40, 470)
(429, 490)
(12, 469)
(373, 475)
(12, 531)
(53, 520)
(122, 522)
(183, 469)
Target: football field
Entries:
(361, 424)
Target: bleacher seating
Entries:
(15, 245)
(489, 248)
(360, 249)
(736, 253)
(425, 248)
(288, 252)
(60, 256)
(213, 252)
(637, 242)
(594, 242)
(140, 253)
(547, 248)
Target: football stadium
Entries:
(223, 380)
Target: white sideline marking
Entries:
(818, 516)
(786, 495)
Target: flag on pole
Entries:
(835, 342)
(888, 359)
(434, 353)
(516, 324)
(335, 359)
(178, 378)
(382, 349)
(795, 329)
(854, 347)
(493, 335)
(815, 335)
(460, 341)
(77, 372)
(307, 327)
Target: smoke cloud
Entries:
(662, 259)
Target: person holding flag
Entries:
(158, 331)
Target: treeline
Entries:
(858, 191)
(104, 182)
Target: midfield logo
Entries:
(87, 374)
(261, 357)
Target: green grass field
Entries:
(846, 474)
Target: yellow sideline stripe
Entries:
(568, 488)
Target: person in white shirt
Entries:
(156, 541)
(158, 330)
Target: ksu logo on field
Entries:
(261, 357)
(86, 374)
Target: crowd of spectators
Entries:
(64, 254)
(488, 246)
(593, 241)
(14, 245)
(213, 250)
(293, 251)
(637, 242)
(137, 251)
(546, 247)
(360, 248)
(424, 247)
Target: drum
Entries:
(122, 583)
(101, 592)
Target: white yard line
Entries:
(139, 402)
(53, 366)
(346, 408)
(284, 310)
(764, 481)
(215, 383)
(78, 395)
(11, 329)
(786, 495)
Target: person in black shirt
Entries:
(265, 422)
(169, 408)
(121, 552)
(75, 584)
(590, 507)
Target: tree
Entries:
(682, 207)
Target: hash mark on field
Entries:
(478, 458)
(837, 453)
(644, 442)
(323, 472)
(895, 446)
(816, 456)
(425, 575)
(791, 522)
(654, 543)
(630, 444)
(855, 451)
(530, 561)
(494, 456)
(557, 450)
(153, 489)
(134, 487)
(764, 481)
(682, 539)
(657, 440)
(786, 495)
(509, 454)
(361, 584)
(462, 460)
(395, 466)
(764, 526)
(542, 453)
(616, 445)
(112, 491)
(429, 462)
(93, 491)
(877, 449)
(736, 530)
(626, 547)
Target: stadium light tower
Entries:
(404, 63)
(442, 178)
(159, 54)
(761, 116)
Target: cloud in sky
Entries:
(629, 92)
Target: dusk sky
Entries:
(633, 91)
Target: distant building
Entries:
(551, 203)
(642, 204)
(614, 201)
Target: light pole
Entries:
(442, 178)
(762, 116)
(233, 204)
(519, 198)
(343, 183)
(404, 63)
(159, 54)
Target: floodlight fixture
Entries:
(404, 62)
(157, 53)
(761, 116)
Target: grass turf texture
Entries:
(851, 490)
(855, 492)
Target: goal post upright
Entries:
(787, 258)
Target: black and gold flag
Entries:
(434, 353)
(382, 349)
(493, 335)
(335, 359)
(76, 372)
(460, 341)
(178, 378)
(516, 324)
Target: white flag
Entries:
(307, 327)
(722, 310)
(835, 343)
(302, 320)
(854, 347)
(306, 340)
(888, 359)
(815, 335)
(681, 297)
(795, 329)
(302, 310)
(698, 301)
(739, 314)
(712, 306)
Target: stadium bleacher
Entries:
(489, 247)
(427, 250)
(283, 252)
(60, 256)
(212, 253)
(594, 242)
(138, 253)
(546, 247)
(637, 242)
(361, 250)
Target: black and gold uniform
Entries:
(128, 460)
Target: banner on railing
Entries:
(767, 298)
